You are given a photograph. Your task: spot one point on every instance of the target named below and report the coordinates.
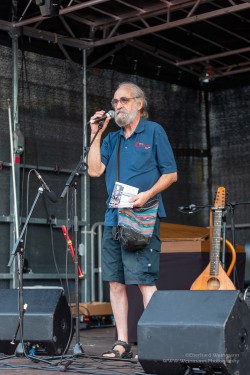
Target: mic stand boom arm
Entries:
(72, 176)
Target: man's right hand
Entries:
(95, 125)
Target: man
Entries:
(146, 162)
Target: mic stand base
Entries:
(19, 350)
(78, 349)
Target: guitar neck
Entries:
(215, 251)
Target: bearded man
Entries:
(146, 161)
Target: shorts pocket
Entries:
(151, 261)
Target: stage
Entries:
(94, 342)
(206, 331)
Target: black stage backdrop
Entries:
(50, 118)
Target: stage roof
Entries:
(192, 43)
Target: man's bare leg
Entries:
(147, 291)
(119, 303)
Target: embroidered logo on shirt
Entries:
(142, 145)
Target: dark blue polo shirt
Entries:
(144, 157)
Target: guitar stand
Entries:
(232, 206)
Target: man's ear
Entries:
(140, 104)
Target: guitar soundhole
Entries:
(213, 283)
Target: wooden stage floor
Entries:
(94, 342)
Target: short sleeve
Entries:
(165, 155)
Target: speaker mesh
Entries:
(46, 322)
(208, 330)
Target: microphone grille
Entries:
(111, 113)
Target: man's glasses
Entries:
(122, 100)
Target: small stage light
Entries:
(49, 8)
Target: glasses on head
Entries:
(122, 100)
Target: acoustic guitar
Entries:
(214, 277)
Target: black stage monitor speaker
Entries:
(47, 321)
(195, 332)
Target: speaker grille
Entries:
(46, 324)
(208, 330)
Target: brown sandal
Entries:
(126, 354)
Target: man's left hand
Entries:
(140, 199)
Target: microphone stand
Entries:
(13, 341)
(192, 208)
(71, 182)
(18, 251)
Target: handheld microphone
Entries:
(51, 195)
(110, 114)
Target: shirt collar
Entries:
(139, 129)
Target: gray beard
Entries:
(124, 118)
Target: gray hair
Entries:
(138, 93)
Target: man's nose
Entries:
(119, 105)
